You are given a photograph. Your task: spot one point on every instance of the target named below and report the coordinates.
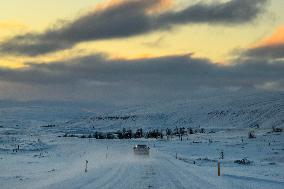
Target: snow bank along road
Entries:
(112, 164)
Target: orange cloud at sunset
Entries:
(161, 6)
(108, 4)
(270, 48)
(158, 5)
(276, 38)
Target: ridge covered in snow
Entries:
(263, 110)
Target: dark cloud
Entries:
(230, 12)
(269, 51)
(129, 18)
(101, 79)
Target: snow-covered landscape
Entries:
(33, 153)
(142, 94)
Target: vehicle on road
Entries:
(141, 149)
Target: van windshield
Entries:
(141, 146)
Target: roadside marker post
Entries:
(86, 168)
(219, 169)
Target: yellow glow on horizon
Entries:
(7, 25)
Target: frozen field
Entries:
(55, 162)
(47, 161)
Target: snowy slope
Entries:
(237, 110)
(226, 111)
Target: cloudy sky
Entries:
(128, 50)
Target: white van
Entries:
(141, 149)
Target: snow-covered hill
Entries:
(224, 111)
(234, 110)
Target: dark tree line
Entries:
(140, 133)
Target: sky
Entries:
(121, 50)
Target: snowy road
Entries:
(160, 170)
(156, 171)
